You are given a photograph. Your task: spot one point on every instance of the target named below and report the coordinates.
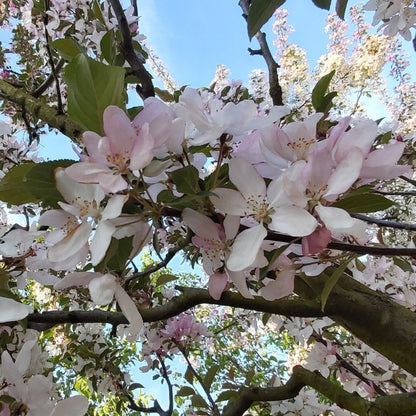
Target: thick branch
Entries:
(189, 298)
(37, 108)
(275, 90)
(135, 60)
(395, 405)
(385, 223)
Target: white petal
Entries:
(101, 241)
(239, 280)
(73, 242)
(102, 289)
(76, 279)
(72, 406)
(245, 248)
(10, 310)
(246, 179)
(293, 220)
(282, 286)
(230, 202)
(129, 309)
(200, 224)
(114, 207)
(335, 219)
(23, 358)
(231, 226)
(11, 373)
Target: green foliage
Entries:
(259, 13)
(321, 101)
(92, 86)
(364, 203)
(32, 182)
(322, 4)
(67, 47)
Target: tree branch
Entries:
(135, 60)
(385, 223)
(189, 298)
(275, 90)
(38, 108)
(49, 80)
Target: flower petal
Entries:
(130, 311)
(217, 284)
(246, 179)
(293, 220)
(102, 289)
(10, 310)
(101, 241)
(71, 406)
(230, 202)
(245, 248)
(200, 224)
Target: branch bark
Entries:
(38, 108)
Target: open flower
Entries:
(271, 206)
(124, 148)
(74, 222)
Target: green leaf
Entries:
(364, 203)
(13, 186)
(41, 181)
(404, 265)
(164, 95)
(198, 401)
(210, 375)
(186, 180)
(67, 47)
(332, 281)
(340, 8)
(108, 49)
(322, 4)
(189, 377)
(320, 100)
(227, 395)
(185, 391)
(92, 86)
(165, 278)
(259, 13)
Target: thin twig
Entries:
(385, 223)
(275, 90)
(411, 181)
(134, 58)
(49, 80)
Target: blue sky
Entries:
(192, 37)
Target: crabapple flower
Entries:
(212, 119)
(124, 148)
(75, 219)
(103, 289)
(269, 206)
(34, 393)
(215, 243)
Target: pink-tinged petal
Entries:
(114, 207)
(70, 209)
(383, 172)
(217, 284)
(316, 242)
(142, 151)
(245, 248)
(74, 241)
(177, 136)
(293, 220)
(71, 406)
(129, 309)
(101, 241)
(274, 145)
(239, 280)
(345, 174)
(200, 224)
(231, 226)
(91, 141)
(76, 279)
(336, 219)
(246, 179)
(361, 136)
(229, 201)
(128, 225)
(10, 310)
(102, 289)
(118, 129)
(74, 192)
(282, 286)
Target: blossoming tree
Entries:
(291, 209)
